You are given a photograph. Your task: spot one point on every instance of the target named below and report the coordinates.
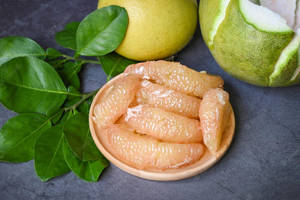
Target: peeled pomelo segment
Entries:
(216, 15)
(163, 125)
(214, 113)
(115, 100)
(144, 152)
(168, 99)
(245, 51)
(176, 76)
(263, 18)
(287, 64)
(285, 8)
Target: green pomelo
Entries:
(254, 43)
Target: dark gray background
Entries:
(262, 163)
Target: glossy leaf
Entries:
(49, 161)
(79, 138)
(86, 170)
(18, 136)
(52, 53)
(12, 47)
(69, 74)
(102, 31)
(67, 37)
(28, 84)
(114, 64)
(85, 106)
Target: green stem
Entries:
(73, 107)
(81, 59)
(84, 97)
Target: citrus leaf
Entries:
(28, 84)
(114, 64)
(49, 161)
(79, 138)
(86, 170)
(67, 37)
(102, 31)
(52, 53)
(12, 47)
(18, 136)
(69, 74)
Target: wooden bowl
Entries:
(206, 161)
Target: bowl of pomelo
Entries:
(160, 120)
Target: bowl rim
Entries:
(169, 174)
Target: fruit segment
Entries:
(176, 76)
(167, 99)
(163, 125)
(214, 113)
(115, 100)
(144, 152)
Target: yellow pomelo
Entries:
(257, 41)
(157, 28)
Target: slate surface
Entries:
(262, 163)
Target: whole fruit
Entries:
(157, 28)
(255, 41)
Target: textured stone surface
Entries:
(262, 163)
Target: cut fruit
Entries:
(176, 76)
(115, 100)
(143, 152)
(214, 113)
(263, 18)
(249, 40)
(170, 100)
(165, 126)
(285, 8)
(286, 65)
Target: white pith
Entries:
(218, 21)
(263, 18)
(285, 8)
(285, 56)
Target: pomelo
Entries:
(157, 29)
(256, 41)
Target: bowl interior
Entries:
(206, 161)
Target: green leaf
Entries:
(12, 47)
(102, 31)
(85, 106)
(49, 161)
(69, 74)
(28, 84)
(79, 138)
(114, 64)
(52, 53)
(67, 37)
(18, 136)
(86, 170)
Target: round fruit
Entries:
(157, 29)
(255, 41)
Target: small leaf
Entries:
(86, 170)
(114, 64)
(69, 74)
(85, 106)
(57, 117)
(28, 84)
(49, 161)
(102, 31)
(79, 138)
(67, 37)
(52, 53)
(18, 136)
(12, 47)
